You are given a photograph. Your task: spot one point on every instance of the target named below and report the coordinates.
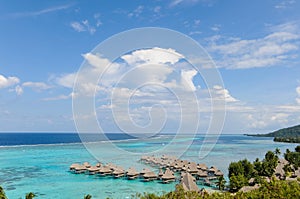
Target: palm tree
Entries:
(30, 195)
(277, 151)
(2, 193)
(221, 183)
(87, 196)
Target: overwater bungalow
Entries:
(188, 182)
(192, 168)
(99, 164)
(73, 166)
(80, 169)
(119, 172)
(178, 166)
(149, 176)
(212, 170)
(145, 170)
(93, 170)
(202, 174)
(219, 173)
(104, 170)
(202, 166)
(111, 166)
(86, 165)
(168, 176)
(132, 173)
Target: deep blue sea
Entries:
(11, 139)
(39, 162)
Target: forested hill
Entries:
(290, 134)
(286, 132)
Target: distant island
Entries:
(290, 134)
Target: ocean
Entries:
(39, 162)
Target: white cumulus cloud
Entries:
(8, 81)
(154, 56)
(187, 79)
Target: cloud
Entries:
(187, 79)
(84, 26)
(43, 11)
(77, 26)
(178, 2)
(6, 82)
(153, 56)
(136, 12)
(66, 80)
(36, 85)
(19, 90)
(285, 4)
(277, 47)
(97, 18)
(216, 27)
(60, 97)
(95, 66)
(222, 94)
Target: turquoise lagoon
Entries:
(43, 169)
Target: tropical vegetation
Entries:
(290, 134)
(2, 193)
(274, 189)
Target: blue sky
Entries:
(255, 45)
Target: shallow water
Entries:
(43, 169)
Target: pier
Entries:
(169, 169)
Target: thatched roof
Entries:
(73, 166)
(213, 169)
(202, 166)
(219, 173)
(80, 167)
(192, 167)
(132, 172)
(249, 188)
(201, 173)
(104, 169)
(99, 164)
(188, 183)
(168, 175)
(150, 174)
(93, 169)
(118, 172)
(86, 164)
(112, 166)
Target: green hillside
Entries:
(286, 132)
(290, 134)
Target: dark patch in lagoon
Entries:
(13, 174)
(9, 188)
